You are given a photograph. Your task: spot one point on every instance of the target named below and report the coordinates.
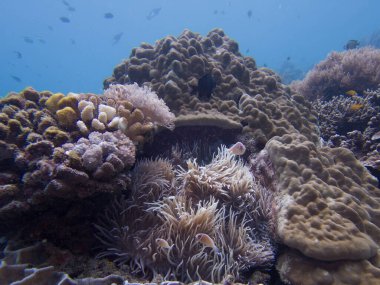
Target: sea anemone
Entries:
(154, 230)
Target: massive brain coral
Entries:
(328, 213)
(206, 81)
(54, 146)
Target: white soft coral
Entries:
(144, 99)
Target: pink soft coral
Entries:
(356, 69)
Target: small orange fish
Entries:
(207, 241)
(352, 93)
(355, 107)
(237, 149)
(162, 243)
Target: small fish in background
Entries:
(249, 14)
(64, 19)
(247, 50)
(237, 149)
(376, 136)
(28, 40)
(108, 15)
(351, 93)
(41, 41)
(50, 28)
(18, 54)
(162, 243)
(207, 241)
(215, 12)
(153, 13)
(68, 5)
(16, 78)
(355, 107)
(288, 58)
(72, 41)
(116, 38)
(351, 44)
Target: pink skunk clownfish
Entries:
(207, 241)
(161, 243)
(237, 149)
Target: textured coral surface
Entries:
(57, 148)
(328, 204)
(208, 78)
(288, 208)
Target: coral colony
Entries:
(195, 166)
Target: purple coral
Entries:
(104, 154)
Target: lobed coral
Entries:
(206, 81)
(154, 231)
(209, 220)
(327, 213)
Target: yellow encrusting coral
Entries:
(67, 117)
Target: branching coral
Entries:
(338, 116)
(341, 125)
(155, 230)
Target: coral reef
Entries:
(104, 155)
(35, 264)
(145, 100)
(355, 69)
(336, 116)
(20, 274)
(206, 81)
(344, 92)
(291, 206)
(54, 146)
(327, 210)
(341, 125)
(154, 231)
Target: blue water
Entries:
(37, 49)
